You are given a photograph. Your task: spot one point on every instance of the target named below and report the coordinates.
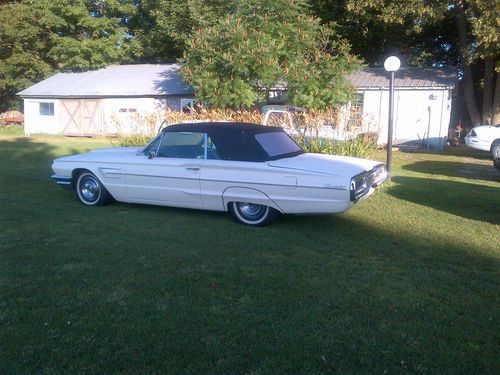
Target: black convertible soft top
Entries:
(237, 141)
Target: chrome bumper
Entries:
(64, 182)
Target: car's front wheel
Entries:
(252, 213)
(495, 149)
(90, 190)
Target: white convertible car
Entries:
(255, 172)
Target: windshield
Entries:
(278, 145)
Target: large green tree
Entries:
(162, 27)
(238, 61)
(43, 36)
(435, 33)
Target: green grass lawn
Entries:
(405, 282)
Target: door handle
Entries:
(193, 168)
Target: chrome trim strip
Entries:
(60, 178)
(238, 182)
(63, 181)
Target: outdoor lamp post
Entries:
(391, 64)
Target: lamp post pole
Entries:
(391, 65)
(390, 125)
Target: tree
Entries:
(485, 22)
(42, 36)
(89, 34)
(162, 28)
(238, 62)
(461, 33)
(23, 50)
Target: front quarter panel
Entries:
(109, 170)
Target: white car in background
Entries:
(485, 138)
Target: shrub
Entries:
(361, 146)
(131, 140)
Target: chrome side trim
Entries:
(237, 182)
(63, 181)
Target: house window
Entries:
(46, 109)
(187, 106)
(356, 112)
(357, 103)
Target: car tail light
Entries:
(358, 186)
(361, 183)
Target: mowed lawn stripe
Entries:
(405, 282)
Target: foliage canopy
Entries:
(265, 46)
(39, 38)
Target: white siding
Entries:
(34, 122)
(135, 115)
(418, 115)
(118, 115)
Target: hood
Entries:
(328, 164)
(103, 154)
(118, 149)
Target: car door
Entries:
(170, 173)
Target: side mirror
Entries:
(151, 155)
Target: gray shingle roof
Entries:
(164, 80)
(375, 78)
(115, 80)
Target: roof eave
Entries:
(50, 96)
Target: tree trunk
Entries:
(489, 77)
(469, 98)
(496, 103)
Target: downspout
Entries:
(428, 126)
(441, 121)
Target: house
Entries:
(103, 101)
(422, 105)
(106, 101)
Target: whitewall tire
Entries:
(252, 214)
(90, 191)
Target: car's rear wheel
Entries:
(90, 190)
(252, 213)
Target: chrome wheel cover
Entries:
(89, 189)
(496, 152)
(251, 211)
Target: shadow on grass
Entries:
(22, 149)
(143, 289)
(455, 169)
(471, 201)
(461, 151)
(464, 151)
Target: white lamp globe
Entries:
(392, 64)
